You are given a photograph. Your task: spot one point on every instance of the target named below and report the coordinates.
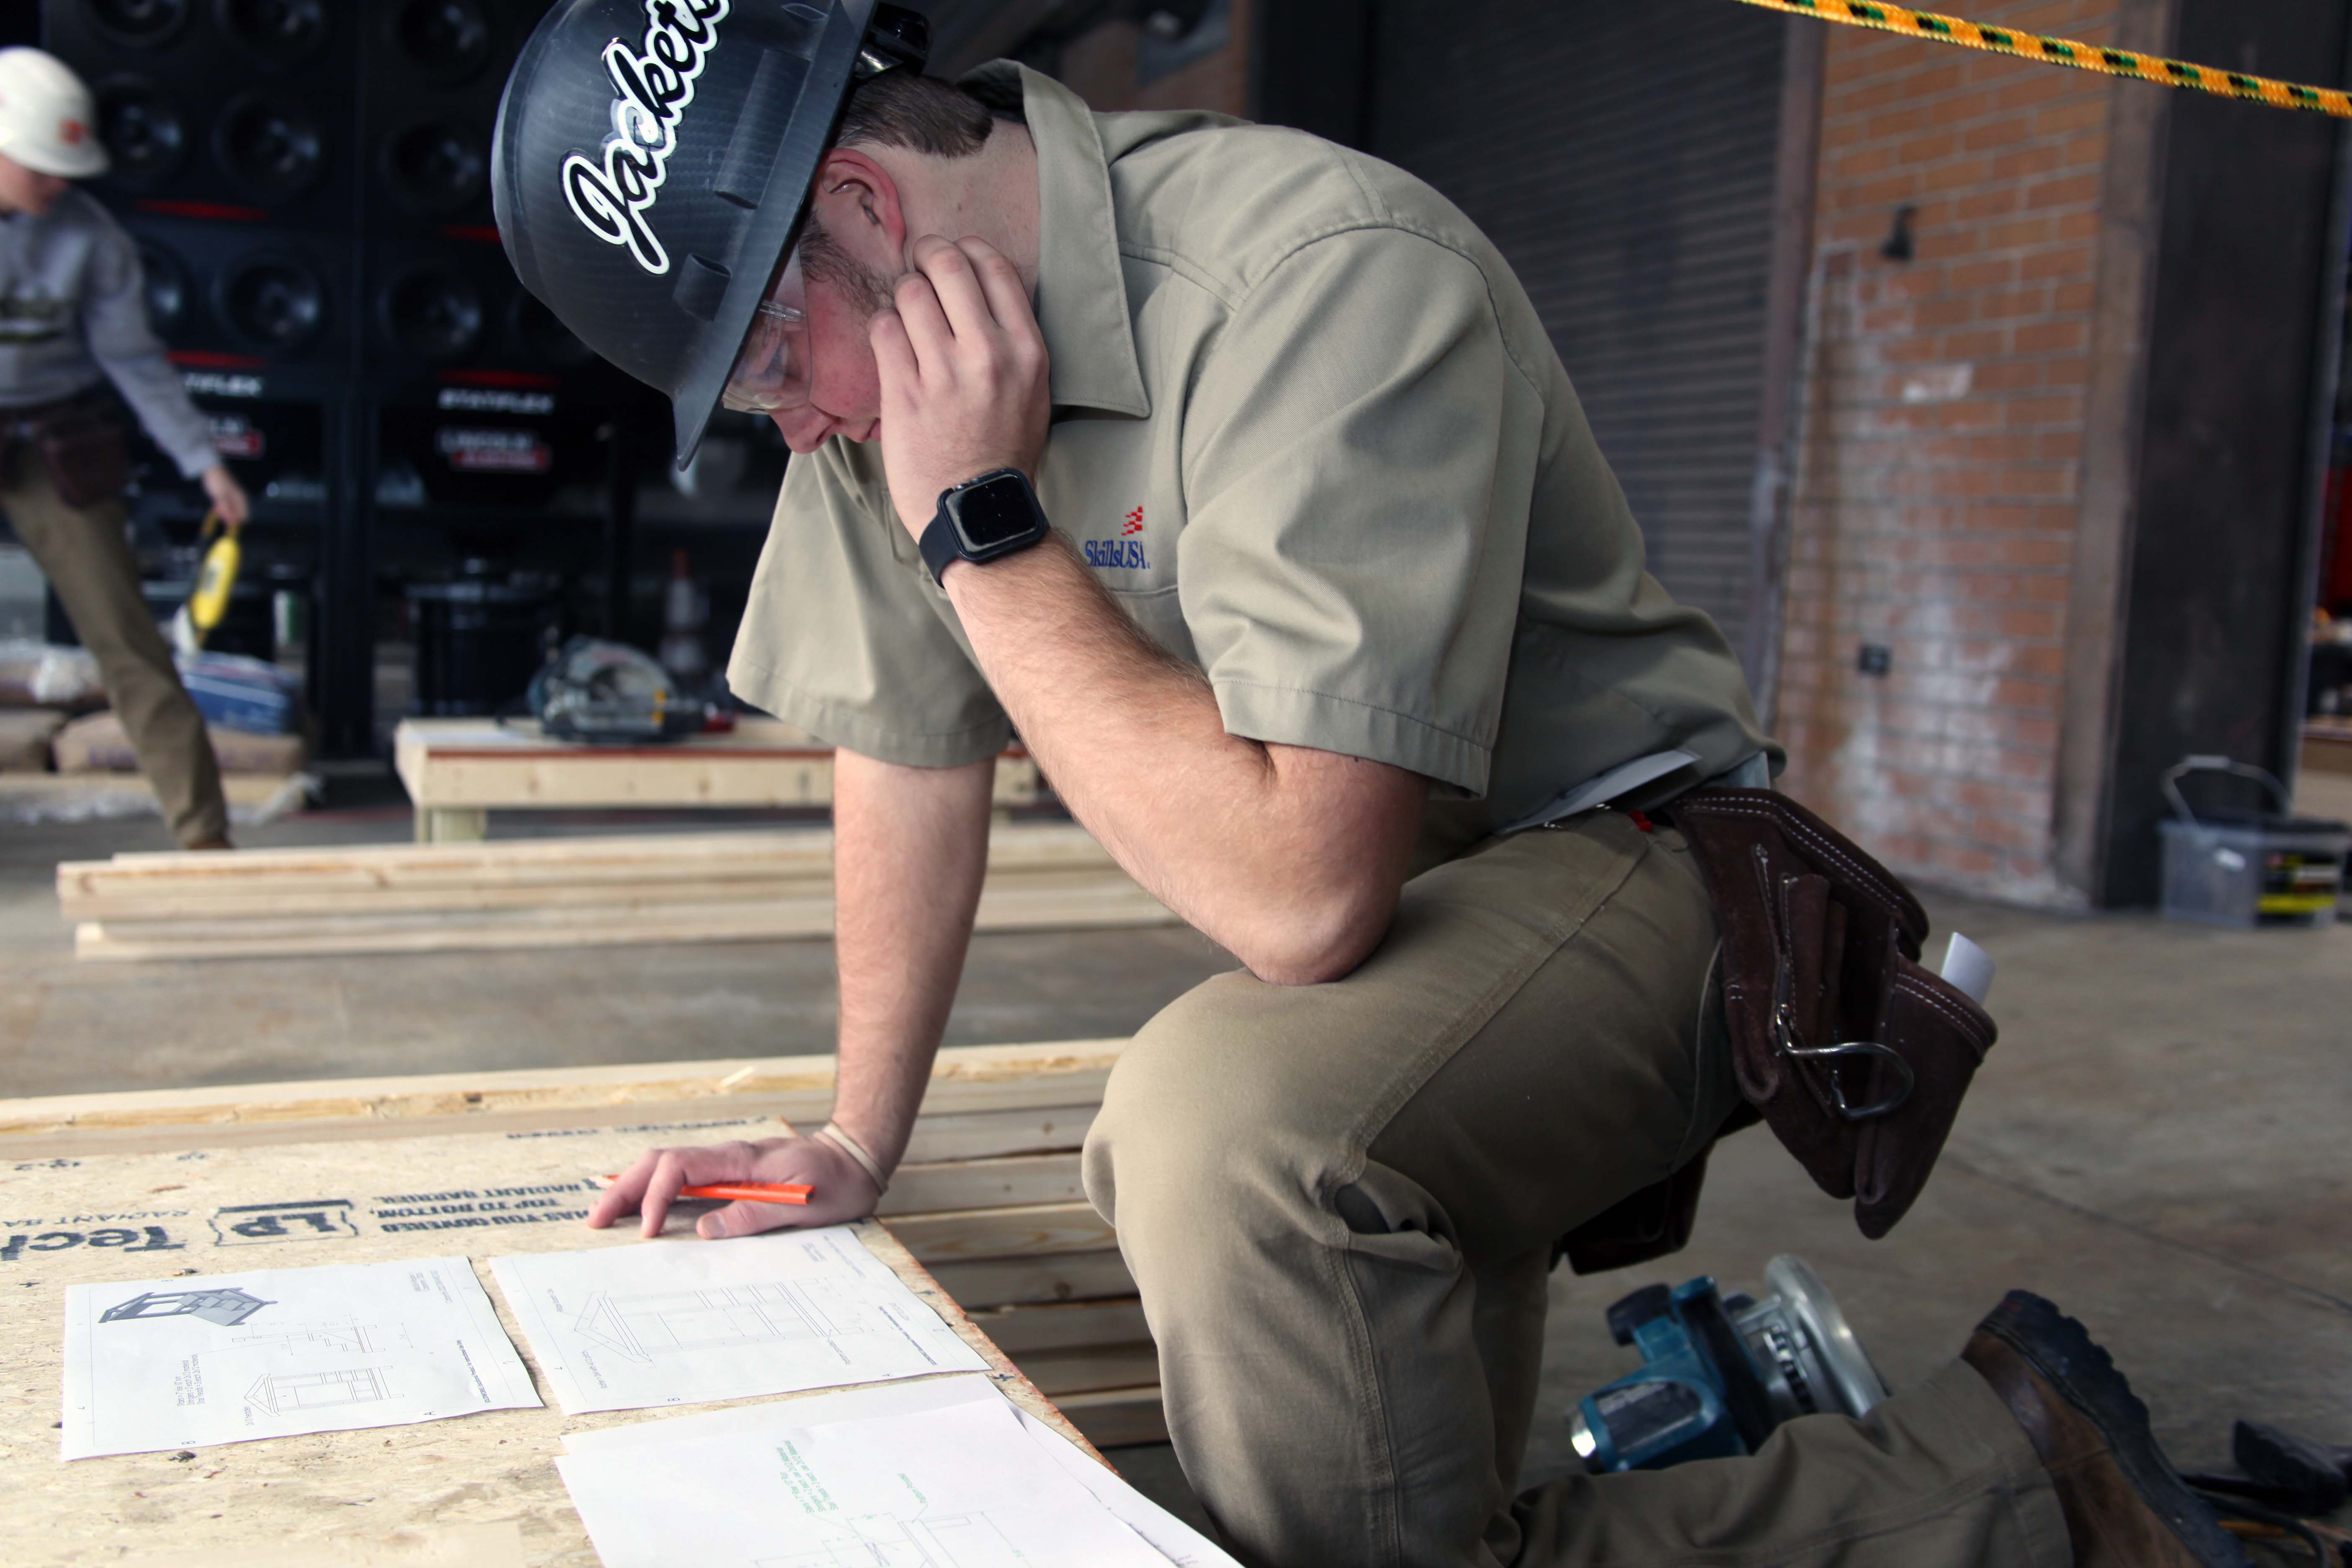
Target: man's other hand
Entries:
(842, 1190)
(226, 495)
(964, 373)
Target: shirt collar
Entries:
(1081, 289)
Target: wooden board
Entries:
(1110, 900)
(1114, 1417)
(1046, 1084)
(474, 764)
(1028, 1231)
(930, 1185)
(372, 867)
(478, 1491)
(361, 877)
(642, 887)
(1025, 1281)
(980, 1134)
(1017, 1331)
(1086, 1369)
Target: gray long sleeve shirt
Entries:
(72, 310)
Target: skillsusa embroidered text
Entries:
(653, 86)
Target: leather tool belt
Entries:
(1854, 1052)
(81, 445)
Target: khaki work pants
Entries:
(1338, 1203)
(82, 552)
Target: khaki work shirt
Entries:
(1310, 433)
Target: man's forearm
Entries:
(1289, 857)
(910, 847)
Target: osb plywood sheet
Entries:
(479, 1490)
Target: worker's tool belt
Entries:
(81, 444)
(1852, 1052)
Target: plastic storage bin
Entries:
(2245, 868)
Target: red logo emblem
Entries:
(1134, 523)
(71, 132)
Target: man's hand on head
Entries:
(842, 1191)
(964, 374)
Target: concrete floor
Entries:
(2157, 1143)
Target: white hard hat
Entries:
(49, 121)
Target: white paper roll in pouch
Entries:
(1969, 967)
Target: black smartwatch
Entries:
(983, 519)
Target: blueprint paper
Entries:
(905, 1398)
(683, 1322)
(1177, 1542)
(955, 1488)
(1175, 1539)
(221, 1358)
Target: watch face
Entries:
(995, 512)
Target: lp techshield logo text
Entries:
(653, 85)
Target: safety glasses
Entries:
(772, 369)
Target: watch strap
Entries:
(942, 541)
(940, 544)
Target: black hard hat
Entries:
(652, 161)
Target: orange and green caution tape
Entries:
(2069, 52)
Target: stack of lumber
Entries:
(988, 1198)
(25, 736)
(563, 892)
(98, 743)
(83, 798)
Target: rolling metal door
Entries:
(1622, 159)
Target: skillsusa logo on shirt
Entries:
(1124, 550)
(652, 86)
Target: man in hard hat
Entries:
(73, 317)
(1337, 639)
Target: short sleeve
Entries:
(845, 636)
(1360, 457)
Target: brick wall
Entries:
(1939, 467)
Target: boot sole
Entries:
(2085, 1377)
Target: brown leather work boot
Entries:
(2124, 1506)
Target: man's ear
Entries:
(857, 203)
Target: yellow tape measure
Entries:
(215, 579)
(2068, 52)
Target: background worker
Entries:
(1337, 596)
(73, 316)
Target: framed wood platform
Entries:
(2327, 745)
(985, 1217)
(458, 771)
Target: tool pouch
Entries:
(1653, 1223)
(83, 447)
(1854, 1054)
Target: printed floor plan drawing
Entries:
(227, 1308)
(957, 1486)
(640, 1327)
(284, 1393)
(274, 1353)
(885, 1541)
(757, 1428)
(346, 1338)
(681, 1322)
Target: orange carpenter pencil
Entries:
(744, 1192)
